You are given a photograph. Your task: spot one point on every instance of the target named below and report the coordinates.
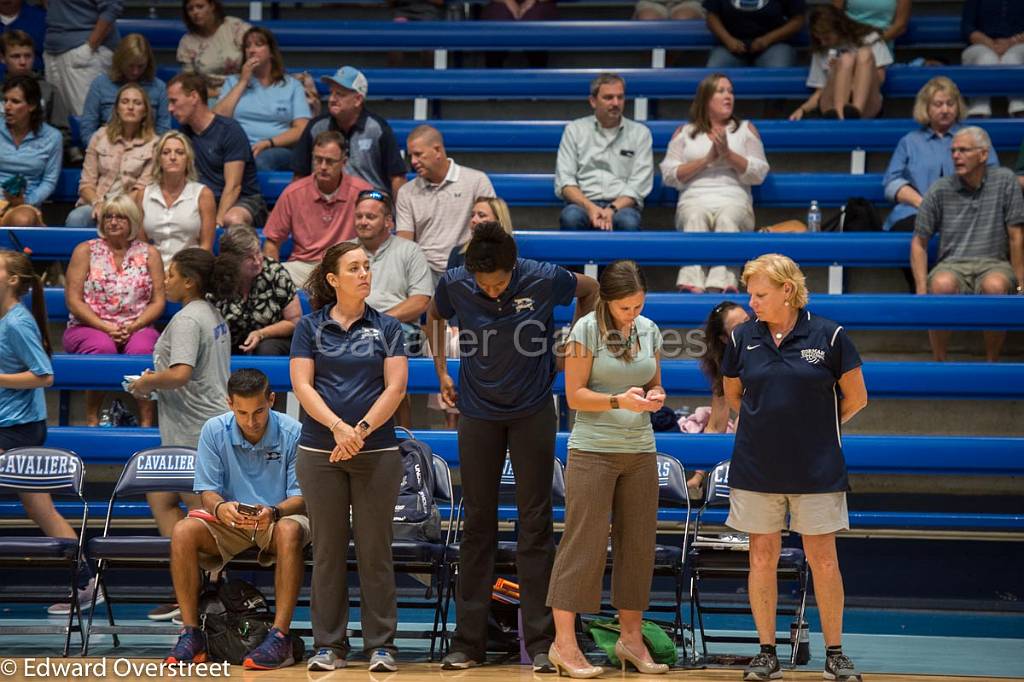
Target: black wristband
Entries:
(216, 509)
(276, 513)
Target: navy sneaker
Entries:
(191, 647)
(275, 652)
(763, 667)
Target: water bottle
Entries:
(105, 419)
(814, 218)
(800, 637)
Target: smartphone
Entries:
(248, 509)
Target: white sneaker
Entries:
(84, 600)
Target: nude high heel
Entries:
(561, 666)
(642, 666)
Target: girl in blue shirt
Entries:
(25, 370)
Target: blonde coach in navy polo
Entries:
(794, 378)
(505, 306)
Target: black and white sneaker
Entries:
(763, 667)
(840, 667)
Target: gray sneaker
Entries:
(763, 667)
(325, 659)
(457, 660)
(840, 668)
(382, 661)
(542, 664)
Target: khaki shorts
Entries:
(233, 541)
(763, 513)
(970, 273)
(667, 7)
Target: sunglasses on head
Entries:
(375, 194)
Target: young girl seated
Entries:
(847, 67)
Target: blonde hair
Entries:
(122, 205)
(780, 270)
(115, 127)
(501, 214)
(133, 47)
(929, 90)
(190, 156)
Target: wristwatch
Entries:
(614, 401)
(363, 425)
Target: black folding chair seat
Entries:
(128, 548)
(791, 559)
(38, 548)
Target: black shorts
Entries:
(32, 434)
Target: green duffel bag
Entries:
(606, 632)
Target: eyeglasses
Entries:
(963, 150)
(324, 161)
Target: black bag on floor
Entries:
(416, 514)
(236, 619)
(857, 215)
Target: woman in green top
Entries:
(612, 380)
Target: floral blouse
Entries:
(117, 295)
(269, 294)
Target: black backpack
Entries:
(236, 618)
(416, 514)
(857, 215)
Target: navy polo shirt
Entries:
(789, 438)
(506, 344)
(348, 370)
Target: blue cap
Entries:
(348, 77)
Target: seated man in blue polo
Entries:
(245, 474)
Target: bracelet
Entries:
(613, 401)
(275, 513)
(336, 422)
(216, 509)
(271, 141)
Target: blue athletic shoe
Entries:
(275, 652)
(191, 647)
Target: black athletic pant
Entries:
(530, 442)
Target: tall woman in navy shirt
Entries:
(349, 372)
(794, 378)
(505, 307)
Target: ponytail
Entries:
(19, 265)
(217, 276)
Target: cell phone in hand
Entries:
(248, 509)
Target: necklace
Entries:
(779, 335)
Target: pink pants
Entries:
(89, 341)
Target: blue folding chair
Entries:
(726, 557)
(58, 472)
(163, 469)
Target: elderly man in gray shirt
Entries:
(605, 167)
(979, 215)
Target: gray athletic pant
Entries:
(368, 484)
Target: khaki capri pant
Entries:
(599, 486)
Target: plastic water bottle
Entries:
(105, 419)
(814, 218)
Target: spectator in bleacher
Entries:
(713, 161)
(783, 372)
(723, 318)
(317, 211)
(994, 32)
(114, 294)
(373, 151)
(605, 168)
(18, 50)
(505, 308)
(889, 17)
(213, 44)
(754, 33)
(485, 210)
(192, 360)
(262, 314)
(613, 382)
(401, 283)
(519, 10)
(922, 156)
(177, 211)
(119, 160)
(1018, 167)
(29, 149)
(847, 67)
(80, 39)
(25, 370)
(656, 10)
(433, 210)
(245, 456)
(269, 104)
(16, 15)
(349, 465)
(223, 159)
(134, 63)
(979, 215)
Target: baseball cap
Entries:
(349, 78)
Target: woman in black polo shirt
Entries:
(505, 306)
(794, 378)
(349, 371)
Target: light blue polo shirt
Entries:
(264, 473)
(264, 112)
(22, 351)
